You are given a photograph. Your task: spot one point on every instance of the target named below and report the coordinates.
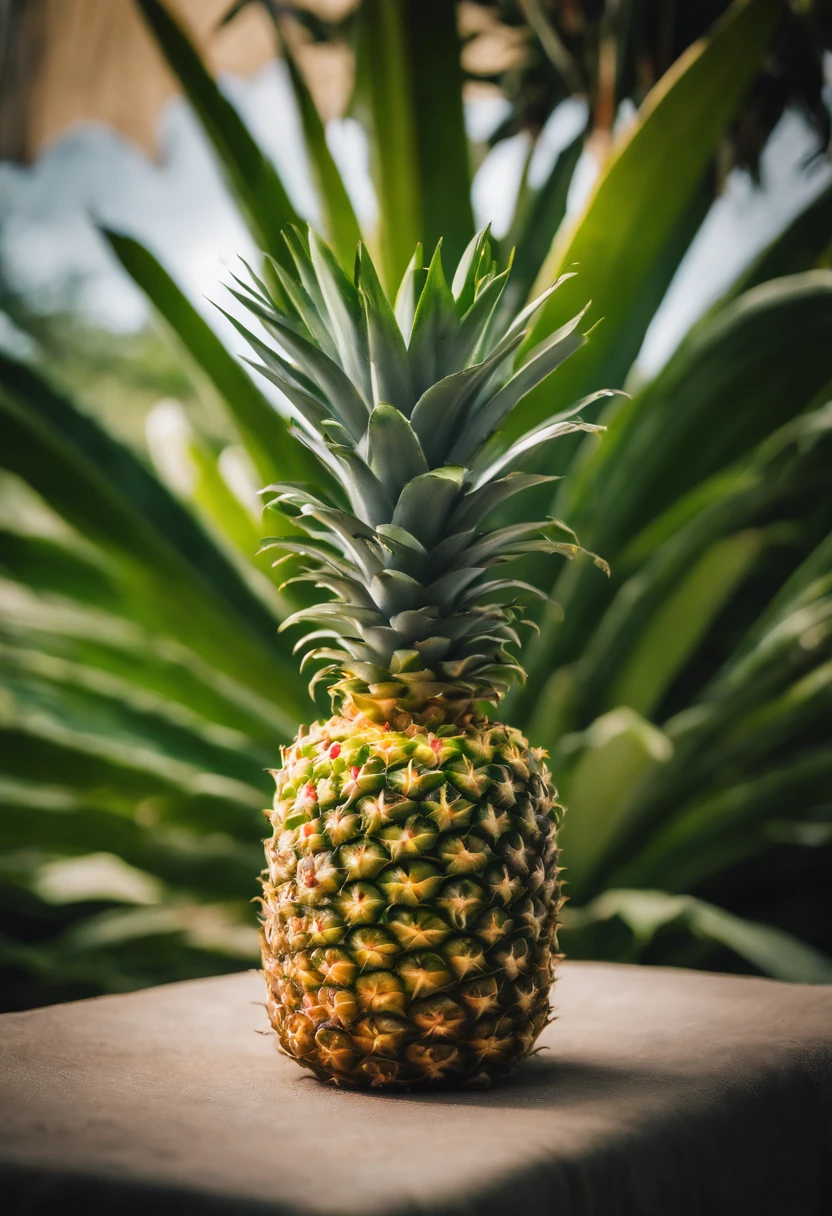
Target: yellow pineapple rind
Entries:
(410, 901)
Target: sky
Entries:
(180, 208)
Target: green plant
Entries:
(411, 895)
(685, 702)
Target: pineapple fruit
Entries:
(409, 907)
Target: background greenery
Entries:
(686, 703)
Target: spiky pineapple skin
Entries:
(410, 902)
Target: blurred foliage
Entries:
(686, 703)
(611, 52)
(118, 376)
(540, 52)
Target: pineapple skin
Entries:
(410, 902)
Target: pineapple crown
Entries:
(403, 405)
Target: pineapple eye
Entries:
(364, 859)
(481, 995)
(411, 885)
(439, 1017)
(372, 948)
(465, 955)
(464, 854)
(461, 900)
(361, 903)
(413, 839)
(425, 973)
(381, 992)
(417, 929)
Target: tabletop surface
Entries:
(657, 1091)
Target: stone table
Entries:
(659, 1093)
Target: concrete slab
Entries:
(658, 1092)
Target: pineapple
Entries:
(410, 902)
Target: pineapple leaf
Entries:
(441, 410)
(297, 246)
(345, 401)
(533, 440)
(464, 285)
(250, 174)
(387, 348)
(394, 452)
(367, 494)
(346, 315)
(541, 362)
(338, 216)
(409, 291)
(435, 326)
(305, 308)
(424, 505)
(261, 428)
(474, 324)
(394, 591)
(477, 504)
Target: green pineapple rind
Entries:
(409, 928)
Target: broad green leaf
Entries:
(617, 752)
(770, 950)
(647, 188)
(811, 580)
(409, 93)
(670, 636)
(538, 215)
(101, 488)
(143, 660)
(433, 50)
(251, 176)
(116, 772)
(192, 470)
(62, 568)
(760, 362)
(74, 698)
(264, 432)
(339, 222)
(708, 835)
(384, 97)
(73, 826)
(734, 727)
(784, 479)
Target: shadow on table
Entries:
(538, 1083)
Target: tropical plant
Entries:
(684, 702)
(411, 898)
